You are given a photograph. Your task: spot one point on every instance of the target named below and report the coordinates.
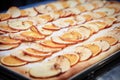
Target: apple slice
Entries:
(14, 12)
(2, 32)
(58, 40)
(110, 39)
(41, 9)
(44, 31)
(19, 24)
(45, 17)
(83, 52)
(4, 16)
(32, 35)
(5, 28)
(94, 48)
(103, 44)
(71, 36)
(45, 49)
(12, 61)
(51, 44)
(34, 52)
(45, 70)
(24, 57)
(8, 40)
(50, 26)
(23, 13)
(72, 57)
(31, 12)
(8, 46)
(61, 62)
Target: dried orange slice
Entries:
(50, 27)
(50, 43)
(94, 48)
(4, 16)
(32, 35)
(33, 52)
(8, 46)
(8, 40)
(12, 61)
(72, 36)
(73, 58)
(111, 40)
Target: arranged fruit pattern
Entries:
(53, 27)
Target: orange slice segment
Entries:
(73, 58)
(7, 40)
(51, 27)
(111, 40)
(94, 48)
(32, 35)
(72, 36)
(50, 43)
(12, 61)
(33, 52)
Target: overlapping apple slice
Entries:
(103, 44)
(110, 39)
(4, 16)
(5, 27)
(45, 49)
(37, 53)
(83, 52)
(8, 40)
(50, 43)
(14, 12)
(8, 46)
(95, 49)
(19, 24)
(25, 57)
(31, 12)
(58, 40)
(12, 61)
(50, 68)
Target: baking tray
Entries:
(81, 75)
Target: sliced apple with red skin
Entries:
(83, 52)
(8, 40)
(51, 44)
(31, 12)
(58, 40)
(12, 61)
(5, 28)
(19, 24)
(50, 26)
(8, 46)
(24, 57)
(4, 16)
(14, 12)
(34, 52)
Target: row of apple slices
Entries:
(84, 52)
(15, 12)
(63, 63)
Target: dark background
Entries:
(5, 4)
